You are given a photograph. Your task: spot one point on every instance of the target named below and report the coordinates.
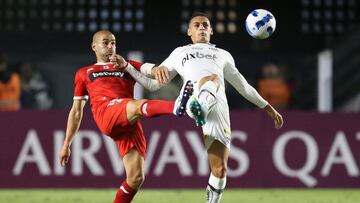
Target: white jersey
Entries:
(195, 61)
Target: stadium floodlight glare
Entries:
(128, 27)
(128, 14)
(104, 25)
(69, 26)
(116, 14)
(80, 27)
(220, 27)
(81, 13)
(139, 14)
(116, 27)
(93, 26)
(104, 14)
(139, 26)
(232, 15)
(231, 27)
(220, 15)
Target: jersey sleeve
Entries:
(170, 62)
(137, 65)
(237, 80)
(80, 92)
(144, 68)
(142, 79)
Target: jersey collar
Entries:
(204, 44)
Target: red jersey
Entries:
(102, 82)
(110, 89)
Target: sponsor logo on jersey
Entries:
(102, 74)
(198, 55)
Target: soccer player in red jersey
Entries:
(110, 85)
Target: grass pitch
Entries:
(181, 196)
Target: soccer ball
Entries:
(260, 24)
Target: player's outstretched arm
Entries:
(149, 83)
(276, 116)
(73, 124)
(233, 76)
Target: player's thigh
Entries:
(133, 111)
(134, 163)
(218, 155)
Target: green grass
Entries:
(181, 196)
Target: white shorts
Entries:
(217, 126)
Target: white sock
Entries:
(214, 189)
(207, 95)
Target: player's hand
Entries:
(64, 155)
(118, 61)
(276, 116)
(278, 120)
(161, 74)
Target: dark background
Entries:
(55, 35)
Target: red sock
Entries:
(152, 108)
(125, 194)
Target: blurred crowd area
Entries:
(23, 86)
(289, 84)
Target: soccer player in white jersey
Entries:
(207, 66)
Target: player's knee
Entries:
(133, 109)
(136, 180)
(220, 171)
(135, 105)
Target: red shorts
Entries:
(113, 123)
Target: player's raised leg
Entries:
(200, 105)
(151, 108)
(135, 175)
(209, 86)
(148, 108)
(218, 155)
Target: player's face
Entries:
(104, 46)
(200, 29)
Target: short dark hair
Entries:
(197, 13)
